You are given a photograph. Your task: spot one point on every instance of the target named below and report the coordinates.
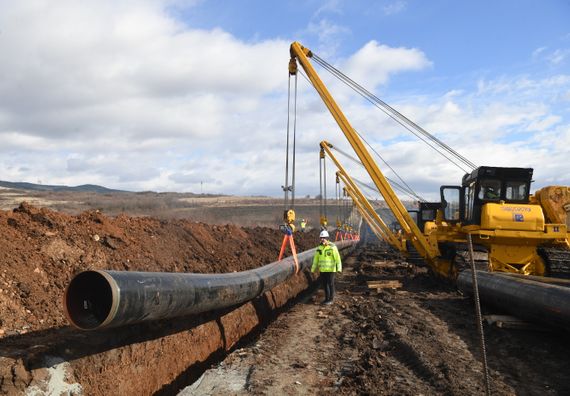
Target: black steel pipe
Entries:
(97, 299)
(543, 279)
(525, 298)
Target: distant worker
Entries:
(327, 262)
(303, 225)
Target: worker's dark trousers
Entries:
(327, 279)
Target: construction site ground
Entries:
(418, 339)
(410, 334)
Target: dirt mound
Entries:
(41, 250)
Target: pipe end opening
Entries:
(88, 300)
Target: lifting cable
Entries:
(290, 187)
(289, 212)
(338, 234)
(347, 210)
(406, 189)
(408, 124)
(374, 200)
(338, 210)
(323, 190)
(396, 186)
(321, 159)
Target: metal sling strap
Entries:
(289, 238)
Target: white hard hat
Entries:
(324, 234)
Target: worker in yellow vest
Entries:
(303, 225)
(327, 262)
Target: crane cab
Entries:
(486, 185)
(426, 212)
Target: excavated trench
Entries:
(42, 250)
(149, 358)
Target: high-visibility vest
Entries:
(327, 259)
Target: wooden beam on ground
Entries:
(386, 264)
(384, 284)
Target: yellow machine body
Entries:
(504, 216)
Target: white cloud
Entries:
(545, 123)
(558, 56)
(537, 52)
(373, 63)
(102, 87)
(395, 7)
(554, 57)
(330, 6)
(329, 36)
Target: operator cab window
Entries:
(490, 190)
(414, 215)
(428, 214)
(516, 190)
(451, 210)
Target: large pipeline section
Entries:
(96, 299)
(528, 299)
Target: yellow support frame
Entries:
(347, 180)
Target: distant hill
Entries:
(44, 187)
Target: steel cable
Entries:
(479, 317)
(397, 116)
(407, 190)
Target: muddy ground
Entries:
(419, 338)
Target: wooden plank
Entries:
(384, 284)
(385, 264)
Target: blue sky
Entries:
(458, 36)
(166, 94)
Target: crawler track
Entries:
(557, 261)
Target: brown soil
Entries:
(40, 251)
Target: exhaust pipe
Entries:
(99, 298)
(537, 301)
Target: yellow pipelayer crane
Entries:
(510, 224)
